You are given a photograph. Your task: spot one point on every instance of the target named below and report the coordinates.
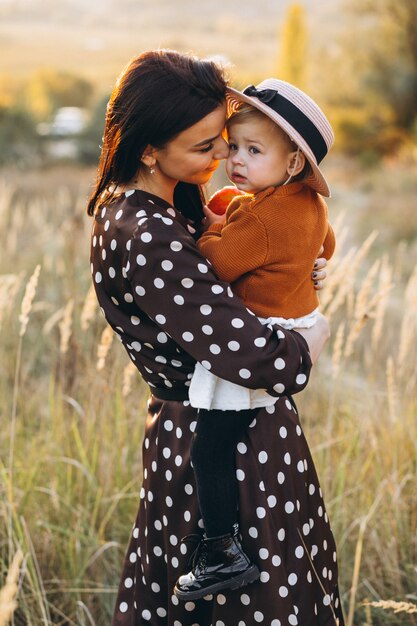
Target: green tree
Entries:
(366, 73)
(387, 31)
(90, 141)
(292, 57)
(19, 142)
(50, 89)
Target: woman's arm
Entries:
(316, 336)
(177, 288)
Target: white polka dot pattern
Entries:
(147, 260)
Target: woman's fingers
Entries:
(320, 263)
(318, 277)
(319, 274)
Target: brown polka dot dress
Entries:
(169, 309)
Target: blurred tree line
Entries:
(26, 108)
(363, 72)
(377, 107)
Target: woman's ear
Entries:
(148, 157)
(296, 162)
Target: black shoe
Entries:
(219, 563)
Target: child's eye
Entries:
(207, 148)
(254, 150)
(232, 146)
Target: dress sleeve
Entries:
(239, 247)
(176, 287)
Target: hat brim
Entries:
(315, 180)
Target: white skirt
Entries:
(208, 391)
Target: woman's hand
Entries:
(316, 336)
(319, 273)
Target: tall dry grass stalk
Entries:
(341, 281)
(338, 350)
(409, 322)
(367, 306)
(9, 286)
(8, 594)
(336, 284)
(392, 392)
(27, 301)
(85, 612)
(128, 373)
(104, 346)
(385, 286)
(25, 309)
(340, 229)
(89, 309)
(65, 327)
(358, 556)
(7, 192)
(392, 605)
(53, 320)
(362, 309)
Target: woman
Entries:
(163, 137)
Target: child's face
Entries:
(260, 155)
(194, 154)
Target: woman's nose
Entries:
(221, 150)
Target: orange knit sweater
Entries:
(267, 247)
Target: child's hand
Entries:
(221, 199)
(212, 218)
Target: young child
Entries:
(265, 246)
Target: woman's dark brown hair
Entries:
(158, 95)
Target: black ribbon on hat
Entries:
(292, 114)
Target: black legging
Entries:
(213, 457)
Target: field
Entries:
(72, 409)
(96, 39)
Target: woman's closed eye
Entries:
(207, 148)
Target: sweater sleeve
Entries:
(239, 247)
(329, 243)
(175, 286)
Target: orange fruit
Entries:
(221, 199)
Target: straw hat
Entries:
(298, 115)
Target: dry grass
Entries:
(8, 594)
(396, 607)
(73, 408)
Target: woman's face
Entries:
(194, 154)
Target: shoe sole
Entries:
(243, 579)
